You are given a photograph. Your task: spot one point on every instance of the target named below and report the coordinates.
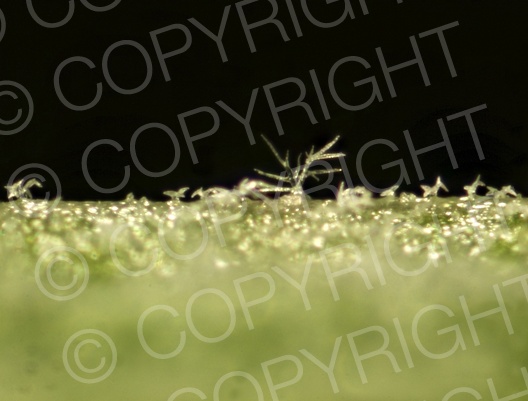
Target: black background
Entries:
(487, 49)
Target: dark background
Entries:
(487, 49)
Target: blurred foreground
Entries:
(231, 299)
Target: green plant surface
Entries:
(278, 285)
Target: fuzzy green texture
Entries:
(404, 254)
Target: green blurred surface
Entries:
(405, 256)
